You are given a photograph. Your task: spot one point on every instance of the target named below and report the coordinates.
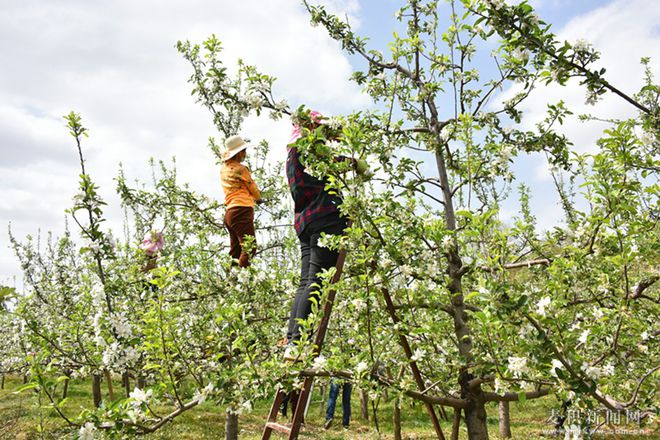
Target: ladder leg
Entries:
(272, 416)
(301, 405)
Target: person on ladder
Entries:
(316, 212)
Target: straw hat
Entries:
(233, 146)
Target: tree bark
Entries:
(456, 426)
(364, 405)
(126, 382)
(475, 416)
(2, 382)
(231, 426)
(111, 391)
(505, 426)
(396, 419)
(96, 389)
(65, 389)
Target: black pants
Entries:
(314, 259)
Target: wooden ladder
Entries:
(305, 393)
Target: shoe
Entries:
(346, 427)
(327, 424)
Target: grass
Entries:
(22, 419)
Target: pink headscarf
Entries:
(295, 134)
(153, 242)
(297, 131)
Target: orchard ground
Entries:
(21, 418)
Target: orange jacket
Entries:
(237, 184)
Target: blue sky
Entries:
(115, 63)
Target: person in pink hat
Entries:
(316, 212)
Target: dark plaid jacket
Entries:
(312, 202)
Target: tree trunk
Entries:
(141, 382)
(364, 405)
(475, 420)
(456, 426)
(126, 382)
(396, 419)
(2, 382)
(65, 389)
(111, 391)
(96, 389)
(25, 379)
(231, 426)
(505, 426)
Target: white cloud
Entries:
(115, 63)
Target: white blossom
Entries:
(506, 152)
(517, 365)
(583, 337)
(320, 362)
(359, 304)
(647, 139)
(281, 105)
(592, 372)
(254, 101)
(323, 241)
(556, 365)
(520, 54)
(139, 396)
(246, 406)
(644, 335)
(121, 325)
(87, 431)
(201, 395)
(534, 19)
(581, 45)
(261, 86)
(542, 304)
(333, 122)
(361, 367)
(418, 355)
(98, 296)
(501, 386)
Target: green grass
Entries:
(22, 419)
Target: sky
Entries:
(115, 63)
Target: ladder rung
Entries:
(277, 427)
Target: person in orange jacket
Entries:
(241, 194)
